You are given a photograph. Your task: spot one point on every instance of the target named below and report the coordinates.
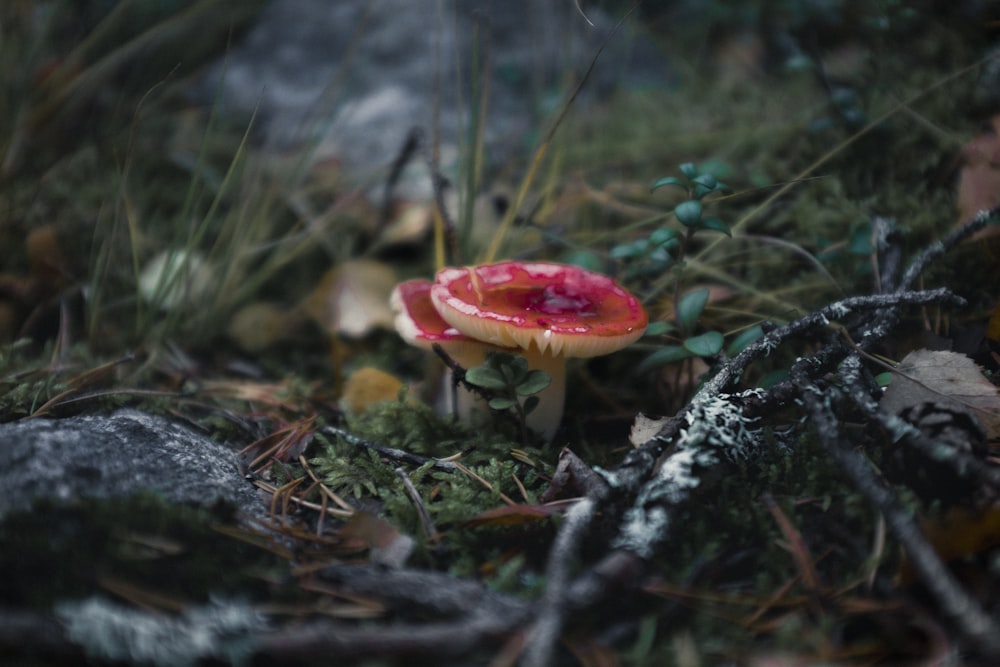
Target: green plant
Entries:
(506, 379)
(664, 247)
(697, 184)
(706, 344)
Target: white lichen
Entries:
(610, 476)
(718, 424)
(716, 430)
(221, 630)
(839, 311)
(770, 344)
(899, 428)
(641, 530)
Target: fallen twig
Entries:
(548, 625)
(391, 453)
(961, 608)
(426, 522)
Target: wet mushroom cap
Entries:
(417, 321)
(562, 309)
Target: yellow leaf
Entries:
(368, 386)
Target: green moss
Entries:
(450, 498)
(414, 427)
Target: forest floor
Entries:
(795, 464)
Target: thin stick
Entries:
(486, 484)
(545, 632)
(391, 453)
(426, 522)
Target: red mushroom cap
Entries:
(416, 319)
(560, 308)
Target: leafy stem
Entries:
(509, 385)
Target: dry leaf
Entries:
(949, 378)
(592, 654)
(257, 326)
(23, 295)
(978, 190)
(48, 264)
(388, 546)
(10, 321)
(957, 534)
(645, 428)
(572, 477)
(409, 226)
(177, 278)
(353, 298)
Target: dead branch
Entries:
(552, 611)
(972, 621)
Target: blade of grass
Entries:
(479, 99)
(543, 147)
(69, 90)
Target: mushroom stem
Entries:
(547, 415)
(461, 401)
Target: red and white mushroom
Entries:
(548, 311)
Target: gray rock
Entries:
(352, 77)
(120, 454)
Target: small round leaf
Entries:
(501, 403)
(498, 359)
(689, 308)
(662, 357)
(585, 259)
(715, 225)
(658, 328)
(739, 343)
(514, 370)
(534, 382)
(668, 180)
(486, 377)
(861, 239)
(706, 345)
(688, 212)
(662, 235)
(707, 180)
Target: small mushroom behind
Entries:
(548, 311)
(420, 325)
